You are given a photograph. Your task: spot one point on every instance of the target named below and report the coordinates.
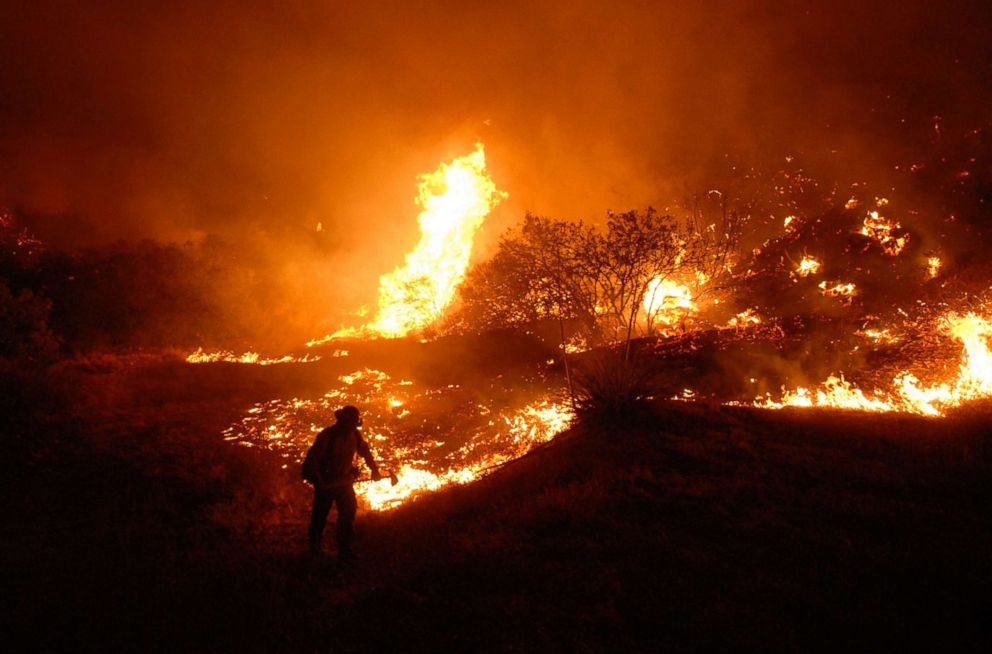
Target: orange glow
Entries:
(878, 336)
(668, 303)
(746, 318)
(842, 290)
(455, 200)
(534, 424)
(973, 381)
(397, 414)
(254, 358)
(808, 266)
(880, 229)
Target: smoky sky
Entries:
(175, 120)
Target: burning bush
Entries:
(608, 286)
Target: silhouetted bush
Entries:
(25, 337)
(612, 390)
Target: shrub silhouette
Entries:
(612, 390)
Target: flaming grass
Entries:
(973, 380)
(429, 437)
(252, 358)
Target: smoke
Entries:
(257, 121)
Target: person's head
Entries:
(349, 416)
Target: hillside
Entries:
(136, 527)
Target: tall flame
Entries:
(975, 377)
(455, 200)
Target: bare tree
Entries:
(562, 273)
(637, 248)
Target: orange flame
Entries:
(254, 358)
(808, 266)
(974, 380)
(878, 336)
(880, 229)
(534, 424)
(746, 318)
(842, 290)
(667, 302)
(421, 462)
(455, 200)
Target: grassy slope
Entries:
(707, 527)
(139, 528)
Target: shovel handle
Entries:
(393, 479)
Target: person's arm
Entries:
(366, 453)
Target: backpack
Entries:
(311, 464)
(309, 467)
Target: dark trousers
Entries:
(344, 497)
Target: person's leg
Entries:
(347, 507)
(318, 517)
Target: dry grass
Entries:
(705, 528)
(612, 390)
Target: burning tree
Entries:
(642, 253)
(544, 269)
(598, 282)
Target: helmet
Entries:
(348, 414)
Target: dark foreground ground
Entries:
(129, 525)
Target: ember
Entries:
(745, 318)
(881, 230)
(429, 437)
(878, 336)
(844, 291)
(254, 358)
(808, 266)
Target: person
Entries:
(333, 476)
